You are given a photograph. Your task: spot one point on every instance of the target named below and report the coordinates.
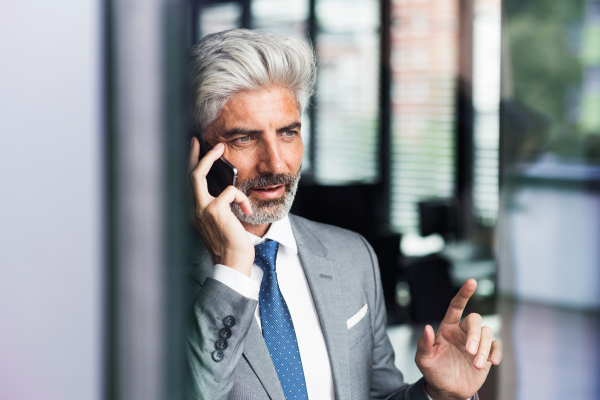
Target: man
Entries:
(286, 307)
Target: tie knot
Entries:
(265, 255)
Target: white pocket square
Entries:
(353, 320)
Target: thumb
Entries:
(425, 344)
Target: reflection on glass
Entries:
(562, 363)
(551, 152)
(347, 113)
(589, 117)
(548, 42)
(219, 17)
(424, 67)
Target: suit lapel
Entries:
(322, 276)
(257, 355)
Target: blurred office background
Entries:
(461, 137)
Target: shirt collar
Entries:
(281, 232)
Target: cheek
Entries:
(294, 156)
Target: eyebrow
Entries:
(249, 132)
(293, 125)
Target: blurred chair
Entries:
(430, 287)
(428, 276)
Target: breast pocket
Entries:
(360, 335)
(359, 326)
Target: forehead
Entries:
(264, 109)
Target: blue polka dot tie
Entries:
(277, 326)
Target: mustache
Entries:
(266, 181)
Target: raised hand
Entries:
(222, 233)
(457, 358)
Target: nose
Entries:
(271, 161)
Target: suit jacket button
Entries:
(225, 333)
(217, 355)
(221, 344)
(229, 321)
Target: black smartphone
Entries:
(221, 174)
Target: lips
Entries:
(269, 192)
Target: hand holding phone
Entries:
(222, 233)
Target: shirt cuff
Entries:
(236, 280)
(429, 397)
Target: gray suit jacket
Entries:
(343, 275)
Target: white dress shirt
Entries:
(296, 292)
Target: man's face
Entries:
(261, 133)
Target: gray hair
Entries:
(225, 63)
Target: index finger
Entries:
(459, 302)
(203, 165)
(194, 154)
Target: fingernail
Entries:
(472, 347)
(218, 146)
(480, 361)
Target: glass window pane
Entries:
(550, 134)
(348, 91)
(219, 17)
(424, 67)
(269, 15)
(486, 104)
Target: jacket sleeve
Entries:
(210, 377)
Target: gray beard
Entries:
(267, 211)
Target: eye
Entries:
(290, 133)
(241, 140)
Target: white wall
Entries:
(50, 200)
